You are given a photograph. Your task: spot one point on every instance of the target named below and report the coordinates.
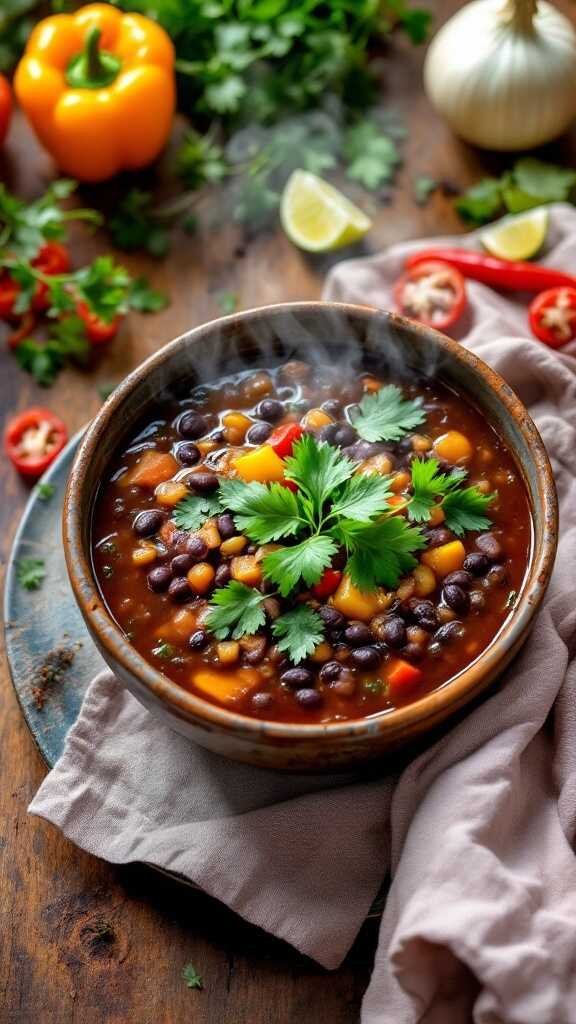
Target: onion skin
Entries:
(504, 74)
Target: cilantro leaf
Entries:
(298, 632)
(380, 553)
(45, 491)
(465, 509)
(104, 286)
(306, 560)
(386, 415)
(264, 512)
(30, 572)
(145, 299)
(423, 188)
(192, 512)
(25, 226)
(547, 182)
(317, 468)
(200, 160)
(362, 497)
(191, 976)
(371, 156)
(228, 302)
(482, 202)
(427, 485)
(44, 360)
(235, 610)
(134, 225)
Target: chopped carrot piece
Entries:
(446, 558)
(152, 469)
(401, 673)
(225, 687)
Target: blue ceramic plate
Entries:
(41, 621)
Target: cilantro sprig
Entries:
(25, 226)
(464, 507)
(529, 182)
(386, 415)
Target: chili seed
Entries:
(197, 548)
(179, 589)
(297, 677)
(192, 425)
(226, 527)
(187, 454)
(456, 598)
(461, 578)
(203, 482)
(489, 545)
(365, 657)
(330, 671)
(476, 563)
(357, 634)
(308, 698)
(147, 523)
(270, 409)
(223, 576)
(198, 640)
(158, 579)
(259, 433)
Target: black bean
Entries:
(358, 634)
(392, 631)
(449, 631)
(425, 614)
(147, 523)
(285, 394)
(327, 433)
(262, 701)
(192, 425)
(202, 482)
(456, 598)
(158, 579)
(476, 563)
(308, 698)
(226, 526)
(297, 677)
(223, 575)
(461, 578)
(332, 406)
(254, 656)
(414, 652)
(188, 454)
(259, 433)
(270, 409)
(361, 450)
(295, 370)
(497, 574)
(179, 541)
(180, 564)
(345, 435)
(198, 640)
(331, 617)
(489, 545)
(437, 536)
(330, 671)
(179, 589)
(365, 657)
(196, 547)
(477, 600)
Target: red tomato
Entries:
(33, 439)
(98, 331)
(552, 316)
(5, 107)
(327, 584)
(433, 293)
(8, 294)
(52, 258)
(283, 438)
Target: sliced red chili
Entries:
(23, 330)
(98, 331)
(33, 439)
(506, 274)
(53, 258)
(552, 316)
(433, 293)
(282, 439)
(327, 584)
(8, 294)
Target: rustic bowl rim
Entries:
(436, 705)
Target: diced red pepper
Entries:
(99, 332)
(283, 439)
(328, 584)
(552, 316)
(33, 439)
(402, 674)
(8, 294)
(52, 258)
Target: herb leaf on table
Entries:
(30, 573)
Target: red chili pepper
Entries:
(552, 316)
(24, 329)
(327, 584)
(5, 107)
(520, 277)
(52, 258)
(402, 673)
(283, 438)
(8, 294)
(433, 293)
(99, 332)
(33, 439)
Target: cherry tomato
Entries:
(5, 107)
(552, 316)
(433, 293)
(33, 439)
(327, 584)
(98, 331)
(8, 294)
(282, 439)
(52, 258)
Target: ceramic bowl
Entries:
(327, 332)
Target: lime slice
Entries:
(317, 217)
(517, 238)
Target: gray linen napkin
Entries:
(478, 831)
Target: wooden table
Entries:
(83, 941)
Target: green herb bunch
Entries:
(529, 183)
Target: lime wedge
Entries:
(517, 238)
(317, 217)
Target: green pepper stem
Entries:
(93, 68)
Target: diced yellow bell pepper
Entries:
(225, 687)
(453, 447)
(359, 604)
(263, 465)
(446, 558)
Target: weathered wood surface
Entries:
(82, 941)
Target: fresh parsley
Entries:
(200, 160)
(306, 560)
(191, 976)
(45, 492)
(30, 573)
(530, 182)
(386, 415)
(144, 299)
(134, 225)
(371, 155)
(264, 512)
(43, 360)
(227, 301)
(236, 611)
(428, 485)
(317, 469)
(423, 188)
(379, 553)
(465, 509)
(192, 512)
(26, 226)
(298, 632)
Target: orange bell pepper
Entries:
(98, 89)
